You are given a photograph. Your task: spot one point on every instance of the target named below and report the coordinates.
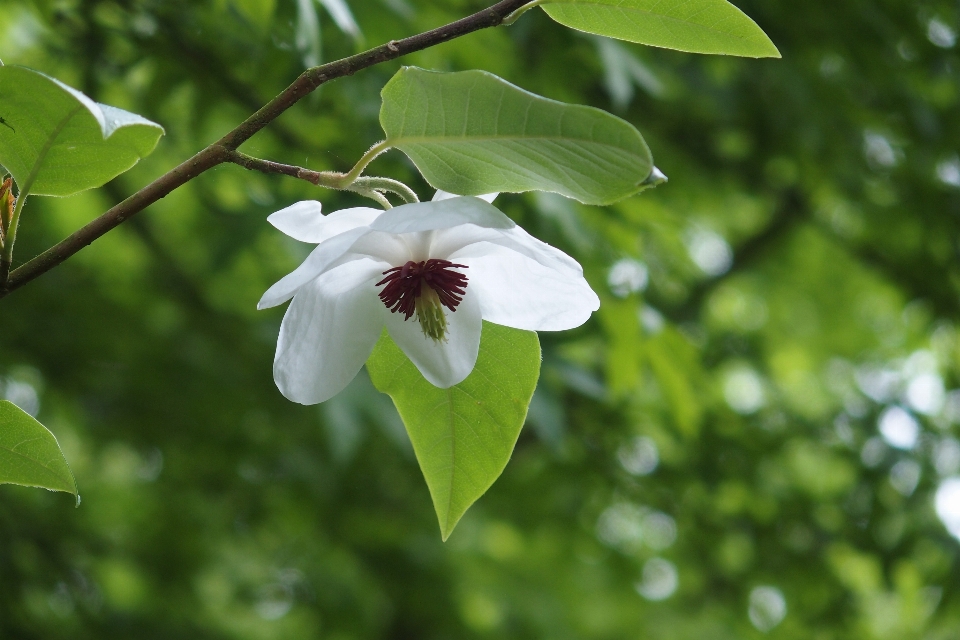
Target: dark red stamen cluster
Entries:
(405, 283)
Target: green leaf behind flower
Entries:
(472, 133)
(463, 436)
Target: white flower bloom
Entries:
(429, 272)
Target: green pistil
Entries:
(433, 321)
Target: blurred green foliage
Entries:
(748, 438)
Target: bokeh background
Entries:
(756, 436)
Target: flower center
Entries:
(424, 288)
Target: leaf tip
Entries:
(772, 51)
(655, 178)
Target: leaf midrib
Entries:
(42, 155)
(453, 460)
(396, 142)
(32, 460)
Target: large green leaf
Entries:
(463, 436)
(57, 141)
(472, 133)
(697, 26)
(29, 453)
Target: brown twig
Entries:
(268, 166)
(222, 150)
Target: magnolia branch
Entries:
(225, 149)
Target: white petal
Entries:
(304, 221)
(450, 243)
(444, 195)
(388, 247)
(548, 255)
(328, 332)
(443, 214)
(443, 364)
(517, 291)
(320, 259)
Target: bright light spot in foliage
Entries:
(873, 452)
(920, 361)
(946, 457)
(275, 600)
(878, 150)
(651, 320)
(639, 457)
(879, 384)
(621, 526)
(940, 34)
(767, 608)
(899, 428)
(952, 407)
(710, 252)
(660, 530)
(743, 391)
(947, 503)
(904, 476)
(948, 171)
(22, 394)
(627, 276)
(627, 526)
(660, 580)
(925, 394)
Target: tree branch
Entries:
(268, 166)
(220, 151)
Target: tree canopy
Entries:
(756, 433)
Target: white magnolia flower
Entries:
(429, 272)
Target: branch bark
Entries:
(222, 150)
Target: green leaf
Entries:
(463, 436)
(472, 133)
(697, 26)
(29, 453)
(58, 142)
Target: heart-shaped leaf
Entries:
(57, 141)
(463, 436)
(697, 26)
(472, 133)
(29, 453)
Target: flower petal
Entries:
(517, 291)
(328, 332)
(304, 221)
(323, 257)
(389, 247)
(443, 214)
(446, 363)
(444, 195)
(450, 243)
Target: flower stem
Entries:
(510, 19)
(389, 185)
(367, 158)
(368, 186)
